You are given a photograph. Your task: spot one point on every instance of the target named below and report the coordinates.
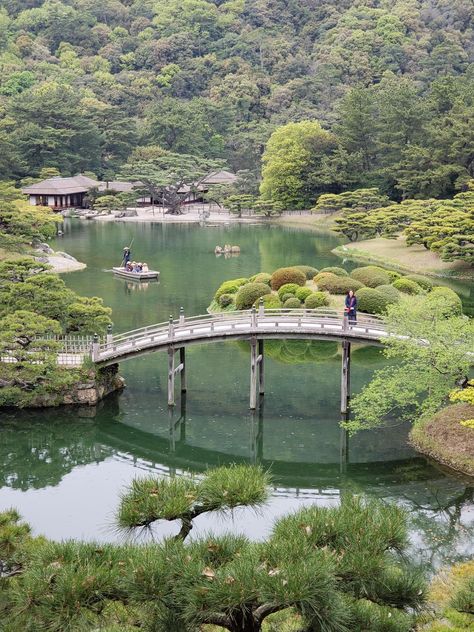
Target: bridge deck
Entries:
(312, 324)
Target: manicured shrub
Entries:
(302, 292)
(270, 301)
(453, 304)
(393, 275)
(391, 293)
(292, 303)
(261, 277)
(423, 281)
(284, 297)
(225, 300)
(407, 286)
(308, 271)
(329, 282)
(287, 275)
(316, 299)
(371, 301)
(371, 276)
(288, 288)
(249, 293)
(335, 270)
(230, 287)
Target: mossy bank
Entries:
(446, 440)
(85, 386)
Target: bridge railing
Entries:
(195, 324)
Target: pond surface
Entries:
(64, 469)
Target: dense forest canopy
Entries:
(84, 83)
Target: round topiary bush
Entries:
(288, 288)
(393, 275)
(371, 301)
(423, 281)
(308, 271)
(452, 302)
(335, 270)
(329, 282)
(249, 293)
(316, 299)
(284, 297)
(230, 287)
(292, 303)
(225, 300)
(391, 293)
(407, 286)
(270, 301)
(302, 292)
(287, 275)
(261, 277)
(371, 276)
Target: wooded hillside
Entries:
(83, 83)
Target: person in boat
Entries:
(350, 307)
(128, 266)
(127, 255)
(145, 267)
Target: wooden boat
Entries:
(136, 276)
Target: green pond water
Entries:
(64, 469)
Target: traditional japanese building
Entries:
(62, 193)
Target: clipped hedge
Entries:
(225, 300)
(316, 299)
(391, 293)
(423, 281)
(335, 270)
(288, 288)
(393, 275)
(249, 293)
(302, 292)
(329, 282)
(261, 277)
(284, 297)
(371, 301)
(287, 275)
(450, 298)
(371, 276)
(292, 303)
(308, 271)
(407, 286)
(270, 301)
(230, 287)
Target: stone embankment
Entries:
(59, 261)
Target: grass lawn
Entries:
(315, 220)
(395, 254)
(444, 439)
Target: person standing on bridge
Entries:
(350, 309)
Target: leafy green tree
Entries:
(239, 203)
(431, 346)
(27, 222)
(292, 163)
(169, 178)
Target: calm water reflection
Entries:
(64, 469)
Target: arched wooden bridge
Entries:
(253, 325)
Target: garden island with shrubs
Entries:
(305, 287)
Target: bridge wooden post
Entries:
(181, 315)
(253, 373)
(182, 363)
(345, 375)
(261, 368)
(171, 374)
(261, 307)
(109, 338)
(95, 347)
